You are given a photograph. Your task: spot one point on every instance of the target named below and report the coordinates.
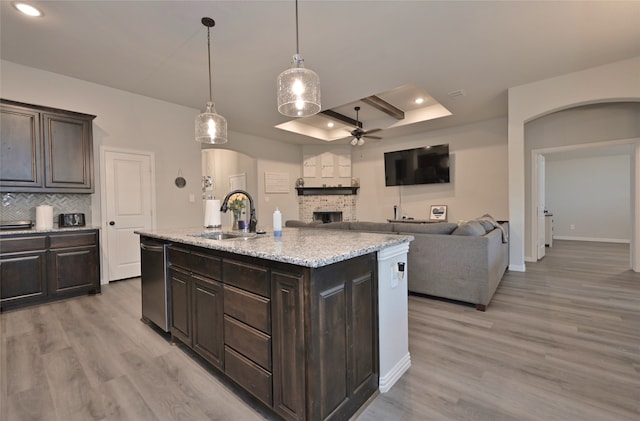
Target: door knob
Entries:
(112, 223)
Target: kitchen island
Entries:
(293, 320)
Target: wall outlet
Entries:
(572, 226)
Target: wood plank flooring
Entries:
(558, 342)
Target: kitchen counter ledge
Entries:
(299, 246)
(55, 229)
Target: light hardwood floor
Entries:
(559, 342)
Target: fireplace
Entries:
(331, 205)
(326, 217)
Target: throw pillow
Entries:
(471, 228)
(487, 222)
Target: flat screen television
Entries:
(426, 165)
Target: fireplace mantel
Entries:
(326, 191)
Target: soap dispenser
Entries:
(277, 223)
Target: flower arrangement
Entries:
(236, 203)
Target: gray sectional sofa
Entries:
(462, 263)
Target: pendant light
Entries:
(298, 88)
(210, 126)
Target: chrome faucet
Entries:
(253, 221)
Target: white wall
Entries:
(125, 120)
(593, 195)
(614, 82)
(479, 183)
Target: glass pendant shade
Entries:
(211, 127)
(298, 91)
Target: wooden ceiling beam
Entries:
(340, 117)
(384, 106)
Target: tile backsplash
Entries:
(22, 206)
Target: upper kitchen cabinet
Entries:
(45, 149)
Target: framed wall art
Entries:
(438, 213)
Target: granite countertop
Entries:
(55, 229)
(310, 247)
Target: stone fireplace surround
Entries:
(327, 203)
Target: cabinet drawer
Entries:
(13, 245)
(209, 266)
(249, 308)
(179, 257)
(72, 240)
(250, 277)
(248, 341)
(249, 375)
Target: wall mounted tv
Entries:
(426, 165)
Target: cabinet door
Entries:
(343, 326)
(20, 149)
(287, 301)
(208, 327)
(68, 153)
(180, 305)
(22, 278)
(72, 270)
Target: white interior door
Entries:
(541, 206)
(128, 188)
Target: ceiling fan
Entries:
(359, 134)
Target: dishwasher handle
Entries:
(149, 247)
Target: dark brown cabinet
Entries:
(40, 267)
(74, 264)
(180, 305)
(289, 367)
(20, 149)
(301, 340)
(247, 326)
(208, 325)
(45, 149)
(23, 270)
(197, 302)
(343, 337)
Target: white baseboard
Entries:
(517, 268)
(593, 239)
(390, 378)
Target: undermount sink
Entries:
(219, 235)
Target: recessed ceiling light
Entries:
(419, 100)
(330, 124)
(27, 9)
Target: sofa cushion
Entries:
(344, 225)
(434, 228)
(371, 226)
(301, 224)
(471, 228)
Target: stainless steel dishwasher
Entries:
(154, 284)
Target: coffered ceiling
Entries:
(463, 55)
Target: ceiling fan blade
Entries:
(372, 137)
(373, 131)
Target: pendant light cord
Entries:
(209, 53)
(297, 43)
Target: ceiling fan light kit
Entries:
(298, 87)
(210, 126)
(359, 133)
